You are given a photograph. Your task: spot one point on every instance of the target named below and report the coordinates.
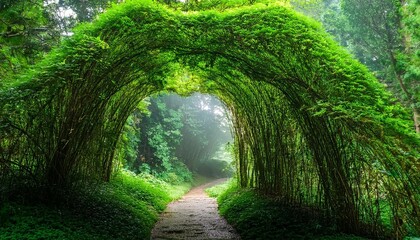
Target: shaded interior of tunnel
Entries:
(311, 125)
(174, 137)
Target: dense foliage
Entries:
(382, 35)
(25, 35)
(312, 126)
(30, 29)
(261, 217)
(175, 136)
(126, 208)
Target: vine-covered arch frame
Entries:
(312, 125)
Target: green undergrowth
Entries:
(125, 208)
(258, 217)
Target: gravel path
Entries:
(195, 216)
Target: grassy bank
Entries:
(125, 208)
(257, 217)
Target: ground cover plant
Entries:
(261, 217)
(125, 208)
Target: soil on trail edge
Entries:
(194, 216)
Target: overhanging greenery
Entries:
(312, 125)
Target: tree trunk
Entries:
(416, 117)
(406, 42)
(416, 114)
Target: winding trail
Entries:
(194, 216)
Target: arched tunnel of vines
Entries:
(313, 128)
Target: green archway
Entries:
(312, 125)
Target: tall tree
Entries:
(205, 130)
(411, 24)
(27, 32)
(176, 130)
(374, 36)
(31, 28)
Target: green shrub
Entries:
(217, 190)
(125, 208)
(258, 217)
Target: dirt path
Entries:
(194, 216)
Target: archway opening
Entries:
(173, 137)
